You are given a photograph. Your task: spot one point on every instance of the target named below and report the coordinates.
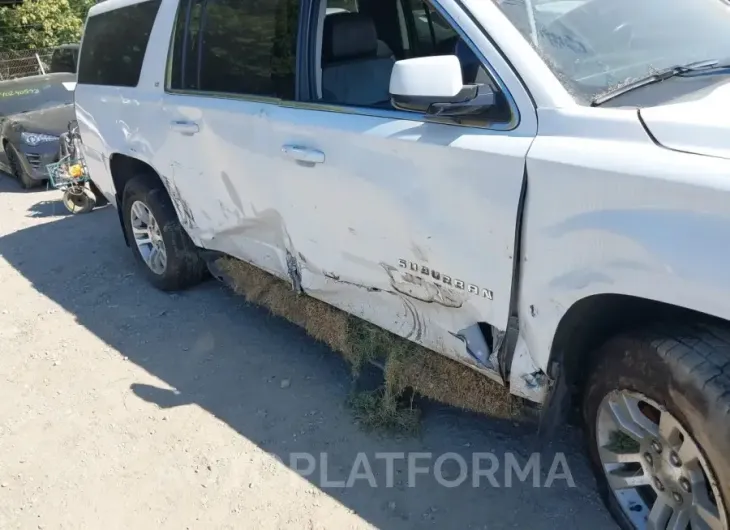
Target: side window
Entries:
(236, 47)
(183, 69)
(336, 6)
(355, 72)
(433, 35)
(115, 43)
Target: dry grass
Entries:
(322, 321)
(380, 411)
(447, 381)
(407, 365)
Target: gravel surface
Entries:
(124, 407)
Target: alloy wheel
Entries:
(148, 237)
(655, 468)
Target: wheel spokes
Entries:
(705, 515)
(141, 213)
(622, 478)
(630, 420)
(659, 515)
(615, 456)
(148, 237)
(679, 519)
(153, 258)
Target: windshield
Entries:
(27, 96)
(596, 45)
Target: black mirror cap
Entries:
(424, 103)
(472, 100)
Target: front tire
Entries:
(166, 253)
(17, 168)
(657, 415)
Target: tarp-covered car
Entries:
(34, 112)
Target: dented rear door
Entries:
(224, 84)
(223, 174)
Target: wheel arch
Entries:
(123, 168)
(592, 321)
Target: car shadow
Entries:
(53, 208)
(286, 393)
(48, 209)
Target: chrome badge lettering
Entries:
(444, 279)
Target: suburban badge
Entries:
(445, 279)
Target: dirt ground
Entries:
(124, 407)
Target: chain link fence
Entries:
(22, 63)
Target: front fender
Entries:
(619, 215)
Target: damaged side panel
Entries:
(408, 225)
(526, 379)
(413, 313)
(225, 194)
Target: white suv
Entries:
(539, 189)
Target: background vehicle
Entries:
(64, 59)
(537, 218)
(34, 112)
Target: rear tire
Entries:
(17, 168)
(671, 385)
(182, 267)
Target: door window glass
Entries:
(242, 47)
(434, 36)
(184, 72)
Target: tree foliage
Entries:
(42, 23)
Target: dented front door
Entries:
(407, 224)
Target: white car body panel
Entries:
(345, 225)
(607, 210)
(697, 124)
(610, 212)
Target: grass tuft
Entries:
(377, 411)
(407, 364)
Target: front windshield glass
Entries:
(594, 46)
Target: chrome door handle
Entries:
(185, 127)
(303, 154)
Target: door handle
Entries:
(303, 154)
(185, 127)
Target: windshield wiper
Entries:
(657, 77)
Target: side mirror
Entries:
(434, 85)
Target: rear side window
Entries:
(236, 47)
(114, 45)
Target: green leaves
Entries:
(42, 23)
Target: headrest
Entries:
(348, 36)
